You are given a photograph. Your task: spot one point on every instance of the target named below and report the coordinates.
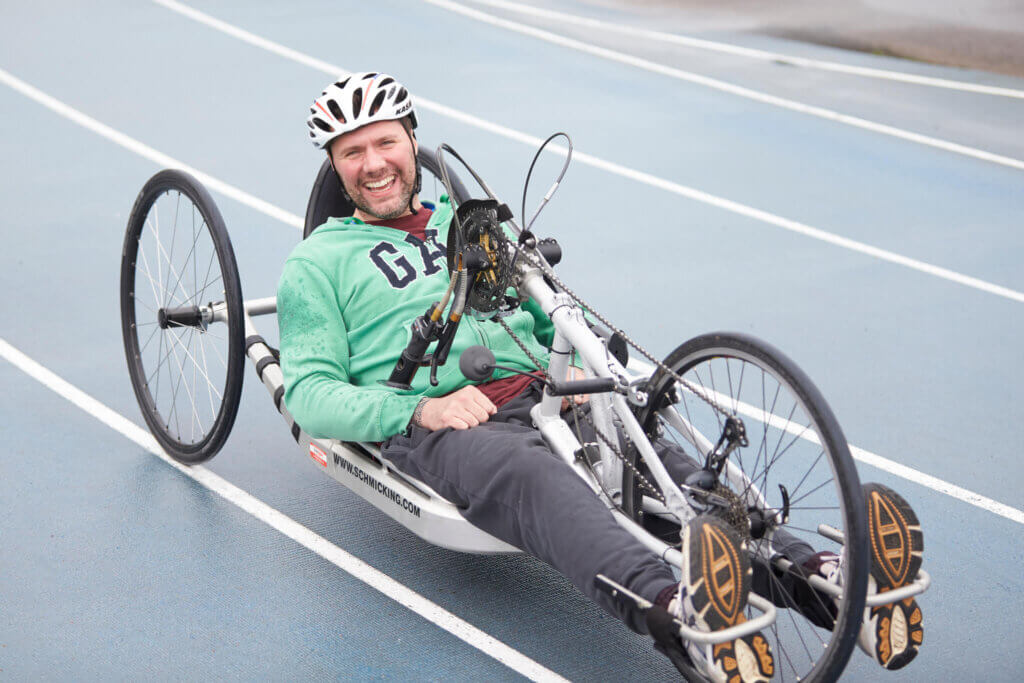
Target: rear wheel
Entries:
(793, 461)
(181, 316)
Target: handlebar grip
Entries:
(409, 362)
(594, 385)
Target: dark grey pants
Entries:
(505, 480)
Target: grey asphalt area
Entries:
(985, 34)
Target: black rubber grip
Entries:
(263, 363)
(296, 429)
(550, 250)
(594, 385)
(278, 395)
(254, 339)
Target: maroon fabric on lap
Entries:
(503, 390)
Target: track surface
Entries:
(117, 565)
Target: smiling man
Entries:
(346, 300)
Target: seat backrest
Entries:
(327, 200)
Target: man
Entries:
(346, 299)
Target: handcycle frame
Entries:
(359, 467)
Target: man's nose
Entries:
(373, 161)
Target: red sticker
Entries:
(317, 454)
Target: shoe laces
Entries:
(826, 564)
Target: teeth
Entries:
(380, 183)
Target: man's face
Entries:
(377, 165)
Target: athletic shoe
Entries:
(712, 596)
(890, 634)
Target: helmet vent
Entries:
(357, 102)
(336, 111)
(342, 84)
(367, 77)
(377, 101)
(385, 82)
(322, 125)
(400, 97)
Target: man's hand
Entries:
(579, 399)
(460, 409)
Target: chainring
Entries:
(482, 232)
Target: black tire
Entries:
(177, 258)
(752, 380)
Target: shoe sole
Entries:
(897, 548)
(897, 544)
(898, 631)
(717, 576)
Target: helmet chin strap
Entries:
(419, 173)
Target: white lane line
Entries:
(763, 55)
(890, 466)
(864, 456)
(616, 169)
(936, 484)
(275, 519)
(297, 222)
(730, 88)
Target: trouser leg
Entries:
(506, 481)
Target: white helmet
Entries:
(355, 101)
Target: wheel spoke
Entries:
(193, 359)
(141, 251)
(821, 454)
(182, 374)
(170, 257)
(178, 283)
(152, 334)
(206, 372)
(171, 273)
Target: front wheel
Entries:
(788, 479)
(181, 316)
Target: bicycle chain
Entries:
(646, 354)
(614, 448)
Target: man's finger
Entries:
(478, 412)
(486, 403)
(457, 423)
(474, 395)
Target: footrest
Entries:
(766, 619)
(919, 585)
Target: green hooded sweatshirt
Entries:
(345, 305)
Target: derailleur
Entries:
(734, 435)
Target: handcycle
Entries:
(773, 458)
